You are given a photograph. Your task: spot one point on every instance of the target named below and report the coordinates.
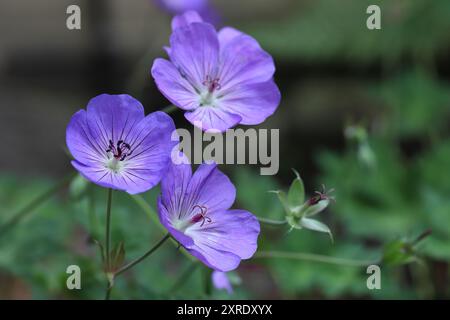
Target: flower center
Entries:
(117, 153)
(200, 217)
(212, 85)
(320, 195)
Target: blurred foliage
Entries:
(63, 232)
(336, 29)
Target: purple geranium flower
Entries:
(116, 146)
(220, 79)
(220, 281)
(195, 210)
(203, 7)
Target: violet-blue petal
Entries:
(152, 145)
(98, 175)
(252, 102)
(195, 52)
(211, 188)
(213, 118)
(227, 34)
(115, 146)
(220, 281)
(181, 6)
(173, 86)
(234, 231)
(175, 184)
(215, 258)
(195, 210)
(113, 116)
(185, 19)
(243, 62)
(82, 144)
(167, 217)
(204, 8)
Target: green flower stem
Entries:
(141, 258)
(272, 222)
(111, 275)
(314, 258)
(422, 236)
(109, 287)
(108, 228)
(169, 109)
(35, 203)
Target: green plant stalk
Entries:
(151, 213)
(141, 258)
(315, 258)
(272, 222)
(112, 275)
(108, 228)
(169, 109)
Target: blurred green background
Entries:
(365, 112)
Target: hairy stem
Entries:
(169, 109)
(108, 228)
(151, 213)
(314, 258)
(141, 258)
(272, 222)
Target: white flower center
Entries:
(114, 164)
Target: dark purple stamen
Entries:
(120, 151)
(320, 195)
(212, 84)
(201, 216)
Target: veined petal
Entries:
(211, 188)
(252, 102)
(87, 148)
(151, 145)
(243, 61)
(173, 86)
(195, 52)
(213, 118)
(174, 185)
(166, 218)
(115, 146)
(235, 231)
(112, 117)
(215, 258)
(97, 174)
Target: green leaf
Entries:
(398, 252)
(102, 250)
(118, 256)
(315, 225)
(284, 201)
(296, 194)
